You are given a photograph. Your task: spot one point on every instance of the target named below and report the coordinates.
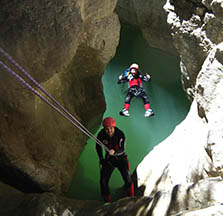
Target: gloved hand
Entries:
(148, 76)
(120, 77)
(102, 161)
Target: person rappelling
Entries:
(114, 140)
(135, 89)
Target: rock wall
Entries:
(150, 18)
(195, 30)
(193, 152)
(14, 202)
(183, 174)
(65, 46)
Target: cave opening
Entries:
(167, 99)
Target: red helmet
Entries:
(109, 122)
(135, 66)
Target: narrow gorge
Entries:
(76, 50)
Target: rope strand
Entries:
(20, 68)
(20, 79)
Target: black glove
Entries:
(102, 161)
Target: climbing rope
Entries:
(73, 120)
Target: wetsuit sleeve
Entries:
(121, 143)
(99, 148)
(123, 80)
(144, 78)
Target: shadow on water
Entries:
(83, 186)
(167, 99)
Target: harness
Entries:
(136, 91)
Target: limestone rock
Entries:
(195, 31)
(197, 158)
(13, 202)
(150, 18)
(180, 176)
(180, 164)
(209, 96)
(183, 174)
(217, 7)
(65, 46)
(202, 198)
(180, 200)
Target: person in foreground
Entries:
(135, 89)
(114, 141)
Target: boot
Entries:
(125, 112)
(149, 112)
(131, 190)
(107, 198)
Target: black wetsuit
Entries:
(135, 87)
(109, 163)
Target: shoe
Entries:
(149, 112)
(107, 198)
(124, 112)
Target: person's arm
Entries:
(146, 77)
(99, 149)
(122, 79)
(121, 143)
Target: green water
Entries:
(167, 99)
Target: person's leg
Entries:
(128, 99)
(106, 172)
(123, 167)
(145, 98)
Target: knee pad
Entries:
(127, 99)
(145, 99)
